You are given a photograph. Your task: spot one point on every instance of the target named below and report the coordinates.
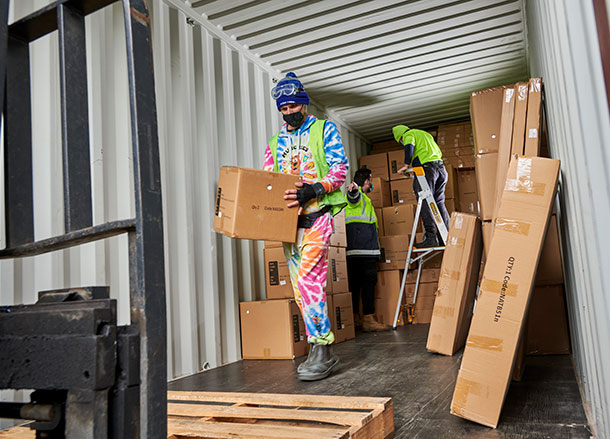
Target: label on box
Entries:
(218, 201)
(334, 270)
(295, 328)
(274, 273)
(338, 312)
(533, 133)
(282, 282)
(394, 167)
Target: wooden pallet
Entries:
(265, 416)
(220, 415)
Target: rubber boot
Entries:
(369, 324)
(429, 241)
(319, 364)
(357, 321)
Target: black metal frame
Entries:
(145, 231)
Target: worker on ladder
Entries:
(422, 150)
(362, 250)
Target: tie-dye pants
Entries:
(307, 265)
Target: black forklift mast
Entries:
(92, 379)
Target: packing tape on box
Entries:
(450, 274)
(484, 342)
(535, 85)
(523, 183)
(443, 311)
(512, 226)
(522, 91)
(496, 286)
(454, 241)
(463, 389)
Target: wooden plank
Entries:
(319, 401)
(225, 430)
(18, 433)
(334, 417)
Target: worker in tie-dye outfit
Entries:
(311, 148)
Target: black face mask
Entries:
(294, 119)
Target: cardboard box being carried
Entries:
(377, 163)
(277, 277)
(342, 317)
(272, 329)
(336, 273)
(339, 237)
(250, 205)
(380, 196)
(457, 285)
(505, 289)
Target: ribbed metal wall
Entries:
(564, 50)
(214, 109)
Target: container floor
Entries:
(545, 404)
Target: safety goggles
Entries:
(288, 89)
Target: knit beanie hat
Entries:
(289, 90)
(399, 131)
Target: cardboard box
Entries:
(250, 205)
(396, 160)
(469, 203)
(452, 135)
(505, 143)
(519, 366)
(377, 163)
(550, 269)
(466, 181)
(336, 273)
(450, 206)
(457, 285)
(547, 323)
(505, 289)
(394, 250)
(272, 329)
(532, 121)
(398, 220)
(339, 236)
(451, 191)
(424, 304)
(459, 161)
(387, 291)
(272, 244)
(388, 145)
(428, 275)
(277, 277)
(379, 215)
(485, 113)
(343, 317)
(380, 196)
(402, 192)
(486, 168)
(519, 118)
(488, 228)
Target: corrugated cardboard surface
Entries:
(505, 143)
(428, 275)
(387, 291)
(457, 285)
(379, 215)
(277, 277)
(272, 329)
(250, 205)
(508, 278)
(336, 273)
(402, 192)
(486, 168)
(424, 304)
(377, 163)
(488, 229)
(398, 220)
(343, 317)
(469, 203)
(450, 206)
(451, 191)
(547, 323)
(396, 160)
(271, 244)
(519, 118)
(380, 196)
(532, 122)
(485, 113)
(550, 269)
(394, 249)
(339, 237)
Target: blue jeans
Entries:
(436, 176)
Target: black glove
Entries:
(308, 192)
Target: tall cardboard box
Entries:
(342, 317)
(380, 196)
(339, 237)
(272, 329)
(387, 291)
(377, 163)
(277, 277)
(379, 215)
(486, 168)
(396, 160)
(488, 229)
(336, 273)
(532, 121)
(550, 268)
(457, 285)
(485, 113)
(547, 322)
(505, 289)
(505, 143)
(519, 118)
(402, 192)
(250, 205)
(398, 220)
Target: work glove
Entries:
(309, 191)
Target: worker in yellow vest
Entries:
(422, 150)
(312, 149)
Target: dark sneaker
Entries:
(319, 364)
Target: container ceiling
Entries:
(378, 63)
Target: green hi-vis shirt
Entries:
(426, 149)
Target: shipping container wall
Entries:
(564, 50)
(214, 108)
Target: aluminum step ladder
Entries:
(417, 255)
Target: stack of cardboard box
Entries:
(456, 143)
